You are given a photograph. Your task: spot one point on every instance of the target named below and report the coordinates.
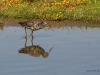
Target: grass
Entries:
(77, 10)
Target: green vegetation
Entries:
(78, 10)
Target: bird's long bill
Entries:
(50, 27)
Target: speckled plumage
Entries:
(33, 25)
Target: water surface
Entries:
(72, 50)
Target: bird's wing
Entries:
(30, 24)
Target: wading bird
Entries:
(33, 25)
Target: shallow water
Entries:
(72, 51)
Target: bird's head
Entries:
(47, 24)
(22, 23)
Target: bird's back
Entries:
(33, 24)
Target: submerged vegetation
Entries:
(78, 10)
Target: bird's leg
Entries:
(32, 34)
(32, 37)
(25, 33)
(25, 42)
(32, 41)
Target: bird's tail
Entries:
(22, 23)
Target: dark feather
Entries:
(34, 24)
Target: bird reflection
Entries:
(34, 50)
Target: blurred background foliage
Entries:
(85, 10)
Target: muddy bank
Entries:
(14, 22)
